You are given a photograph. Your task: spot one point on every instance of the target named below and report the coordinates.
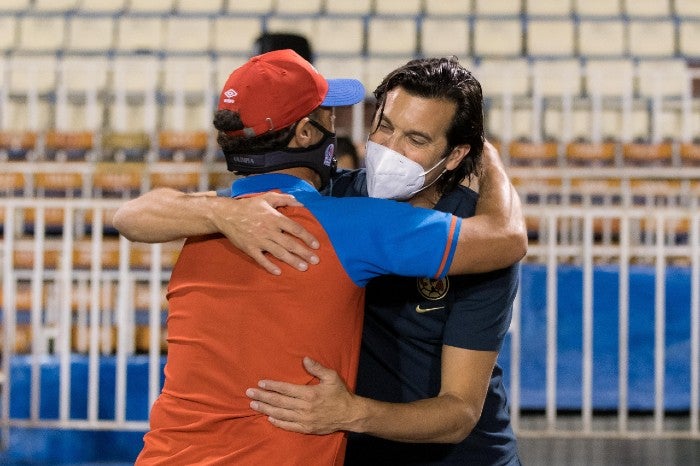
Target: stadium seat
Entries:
(398, 7)
(597, 7)
(234, 35)
(162, 7)
(513, 124)
(135, 81)
(690, 154)
(689, 38)
(62, 146)
(182, 34)
(555, 85)
(31, 85)
(601, 38)
(356, 7)
(651, 38)
(8, 33)
(82, 85)
(445, 36)
(338, 35)
(182, 145)
(91, 34)
(17, 145)
(141, 254)
(653, 8)
(376, 68)
(209, 7)
(550, 38)
(64, 183)
(609, 78)
(502, 76)
(41, 33)
(183, 176)
(125, 146)
(55, 6)
(102, 6)
(260, 7)
(667, 77)
(533, 154)
(295, 7)
(639, 154)
(503, 7)
(590, 154)
(14, 6)
(118, 179)
(598, 192)
(506, 89)
(139, 34)
(442, 8)
(548, 7)
(686, 8)
(498, 37)
(342, 67)
(391, 36)
(609, 86)
(187, 93)
(11, 185)
(108, 257)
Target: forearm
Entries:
(443, 419)
(166, 214)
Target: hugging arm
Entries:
(496, 236)
(329, 406)
(252, 224)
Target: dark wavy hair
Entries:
(444, 78)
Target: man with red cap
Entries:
(230, 323)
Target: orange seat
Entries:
(182, 176)
(60, 184)
(176, 140)
(11, 183)
(655, 192)
(533, 153)
(586, 153)
(109, 254)
(24, 258)
(17, 143)
(141, 254)
(647, 154)
(73, 144)
(690, 154)
(115, 179)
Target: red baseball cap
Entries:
(274, 90)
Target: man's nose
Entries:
(392, 141)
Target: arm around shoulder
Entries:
(496, 236)
(165, 214)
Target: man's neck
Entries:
(427, 198)
(304, 173)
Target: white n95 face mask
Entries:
(391, 175)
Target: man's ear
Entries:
(303, 134)
(456, 156)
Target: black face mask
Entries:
(319, 157)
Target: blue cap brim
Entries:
(343, 92)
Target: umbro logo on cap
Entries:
(230, 94)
